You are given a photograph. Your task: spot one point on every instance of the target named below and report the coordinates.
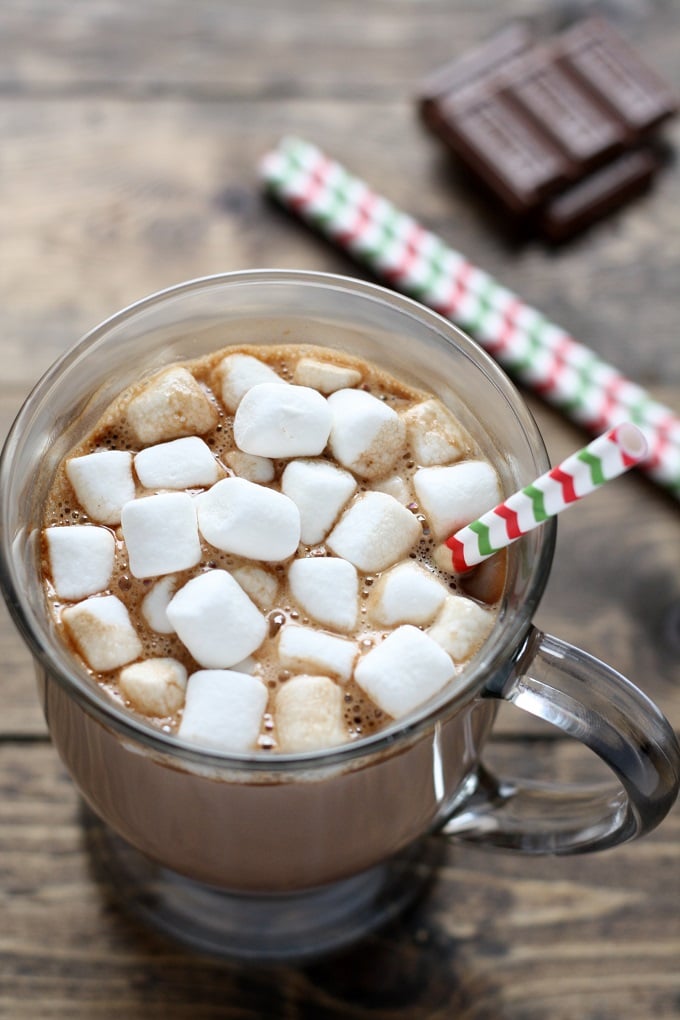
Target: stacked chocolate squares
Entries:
(561, 131)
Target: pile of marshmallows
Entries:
(167, 499)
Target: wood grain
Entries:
(344, 49)
(496, 937)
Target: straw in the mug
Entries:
(536, 352)
(583, 472)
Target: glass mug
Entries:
(279, 856)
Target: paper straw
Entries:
(583, 472)
(537, 353)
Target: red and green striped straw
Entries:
(583, 472)
(533, 350)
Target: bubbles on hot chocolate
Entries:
(246, 550)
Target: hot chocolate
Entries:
(256, 534)
(308, 841)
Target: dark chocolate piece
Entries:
(546, 127)
(508, 152)
(613, 71)
(489, 57)
(598, 194)
(563, 109)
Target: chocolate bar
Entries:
(558, 130)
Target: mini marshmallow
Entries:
(215, 620)
(320, 491)
(404, 671)
(367, 435)
(154, 686)
(454, 496)
(395, 486)
(101, 630)
(180, 464)
(155, 604)
(375, 532)
(326, 589)
(161, 534)
(103, 483)
(324, 376)
(171, 405)
(304, 648)
(240, 517)
(282, 421)
(258, 584)
(238, 373)
(81, 559)
(433, 434)
(405, 594)
(309, 714)
(223, 710)
(247, 465)
(461, 627)
(442, 558)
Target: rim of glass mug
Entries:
(497, 654)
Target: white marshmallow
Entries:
(320, 491)
(454, 496)
(326, 589)
(374, 532)
(155, 604)
(282, 421)
(309, 714)
(324, 376)
(171, 405)
(404, 671)
(240, 517)
(101, 630)
(180, 464)
(258, 584)
(304, 648)
(215, 620)
(154, 686)
(394, 486)
(223, 710)
(442, 558)
(103, 483)
(161, 534)
(405, 594)
(367, 435)
(433, 434)
(461, 627)
(247, 465)
(81, 559)
(238, 373)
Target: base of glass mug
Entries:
(272, 928)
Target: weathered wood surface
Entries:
(131, 135)
(496, 937)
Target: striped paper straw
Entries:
(537, 353)
(583, 472)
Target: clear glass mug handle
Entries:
(588, 700)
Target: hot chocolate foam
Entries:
(265, 583)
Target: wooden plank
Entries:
(343, 49)
(106, 200)
(498, 935)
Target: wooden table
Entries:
(130, 137)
